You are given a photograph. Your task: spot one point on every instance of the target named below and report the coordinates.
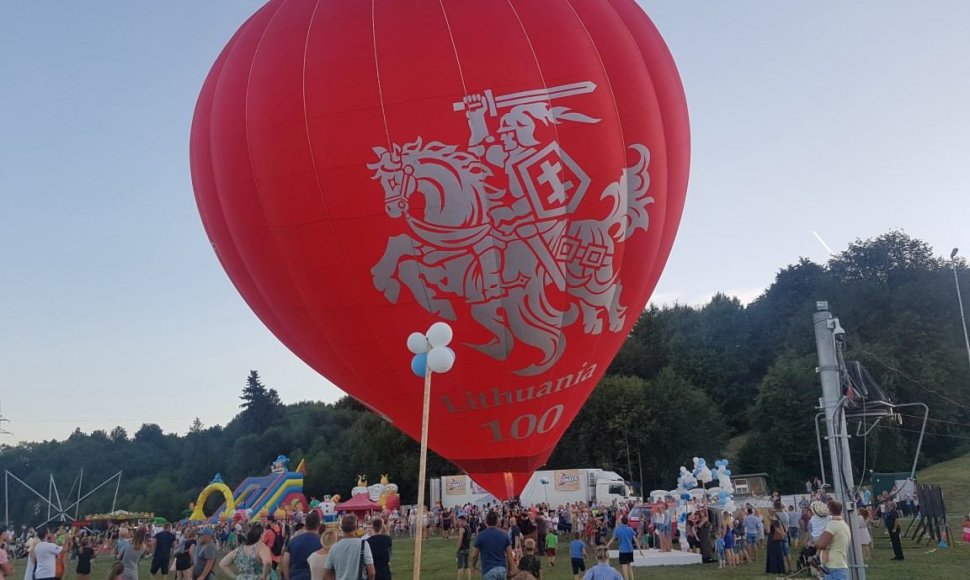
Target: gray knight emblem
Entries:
(490, 225)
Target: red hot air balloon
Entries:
(516, 168)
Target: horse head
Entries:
(395, 170)
(451, 181)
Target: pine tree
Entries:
(261, 406)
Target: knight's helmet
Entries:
(521, 122)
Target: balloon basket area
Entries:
(657, 558)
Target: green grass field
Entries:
(438, 561)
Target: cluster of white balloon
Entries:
(431, 350)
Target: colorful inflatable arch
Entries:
(215, 486)
(258, 496)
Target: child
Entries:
(719, 544)
(602, 570)
(529, 562)
(816, 525)
(577, 555)
(117, 571)
(552, 542)
(966, 529)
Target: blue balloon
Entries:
(727, 472)
(685, 496)
(419, 364)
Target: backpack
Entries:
(277, 547)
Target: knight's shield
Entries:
(553, 182)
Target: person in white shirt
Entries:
(45, 556)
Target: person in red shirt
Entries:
(275, 540)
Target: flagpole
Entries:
(425, 412)
(431, 355)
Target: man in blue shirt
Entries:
(495, 549)
(626, 538)
(294, 563)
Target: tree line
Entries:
(720, 379)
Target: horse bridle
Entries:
(400, 198)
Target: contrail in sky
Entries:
(821, 241)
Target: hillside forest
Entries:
(719, 379)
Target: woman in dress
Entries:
(85, 554)
(251, 561)
(865, 538)
(775, 555)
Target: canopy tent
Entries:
(358, 504)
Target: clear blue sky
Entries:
(845, 118)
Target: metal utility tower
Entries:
(828, 340)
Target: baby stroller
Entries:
(808, 564)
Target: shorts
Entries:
(579, 565)
(183, 562)
(720, 553)
(837, 574)
(550, 551)
(665, 529)
(462, 558)
(497, 573)
(159, 564)
(752, 538)
(795, 533)
(785, 547)
(626, 558)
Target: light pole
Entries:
(956, 281)
(431, 355)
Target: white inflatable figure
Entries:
(361, 487)
(374, 491)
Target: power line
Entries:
(936, 420)
(927, 433)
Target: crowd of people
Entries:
(498, 539)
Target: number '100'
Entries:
(524, 426)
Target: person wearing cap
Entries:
(602, 570)
(205, 557)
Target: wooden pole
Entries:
(421, 472)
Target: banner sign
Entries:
(566, 479)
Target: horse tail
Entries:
(626, 218)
